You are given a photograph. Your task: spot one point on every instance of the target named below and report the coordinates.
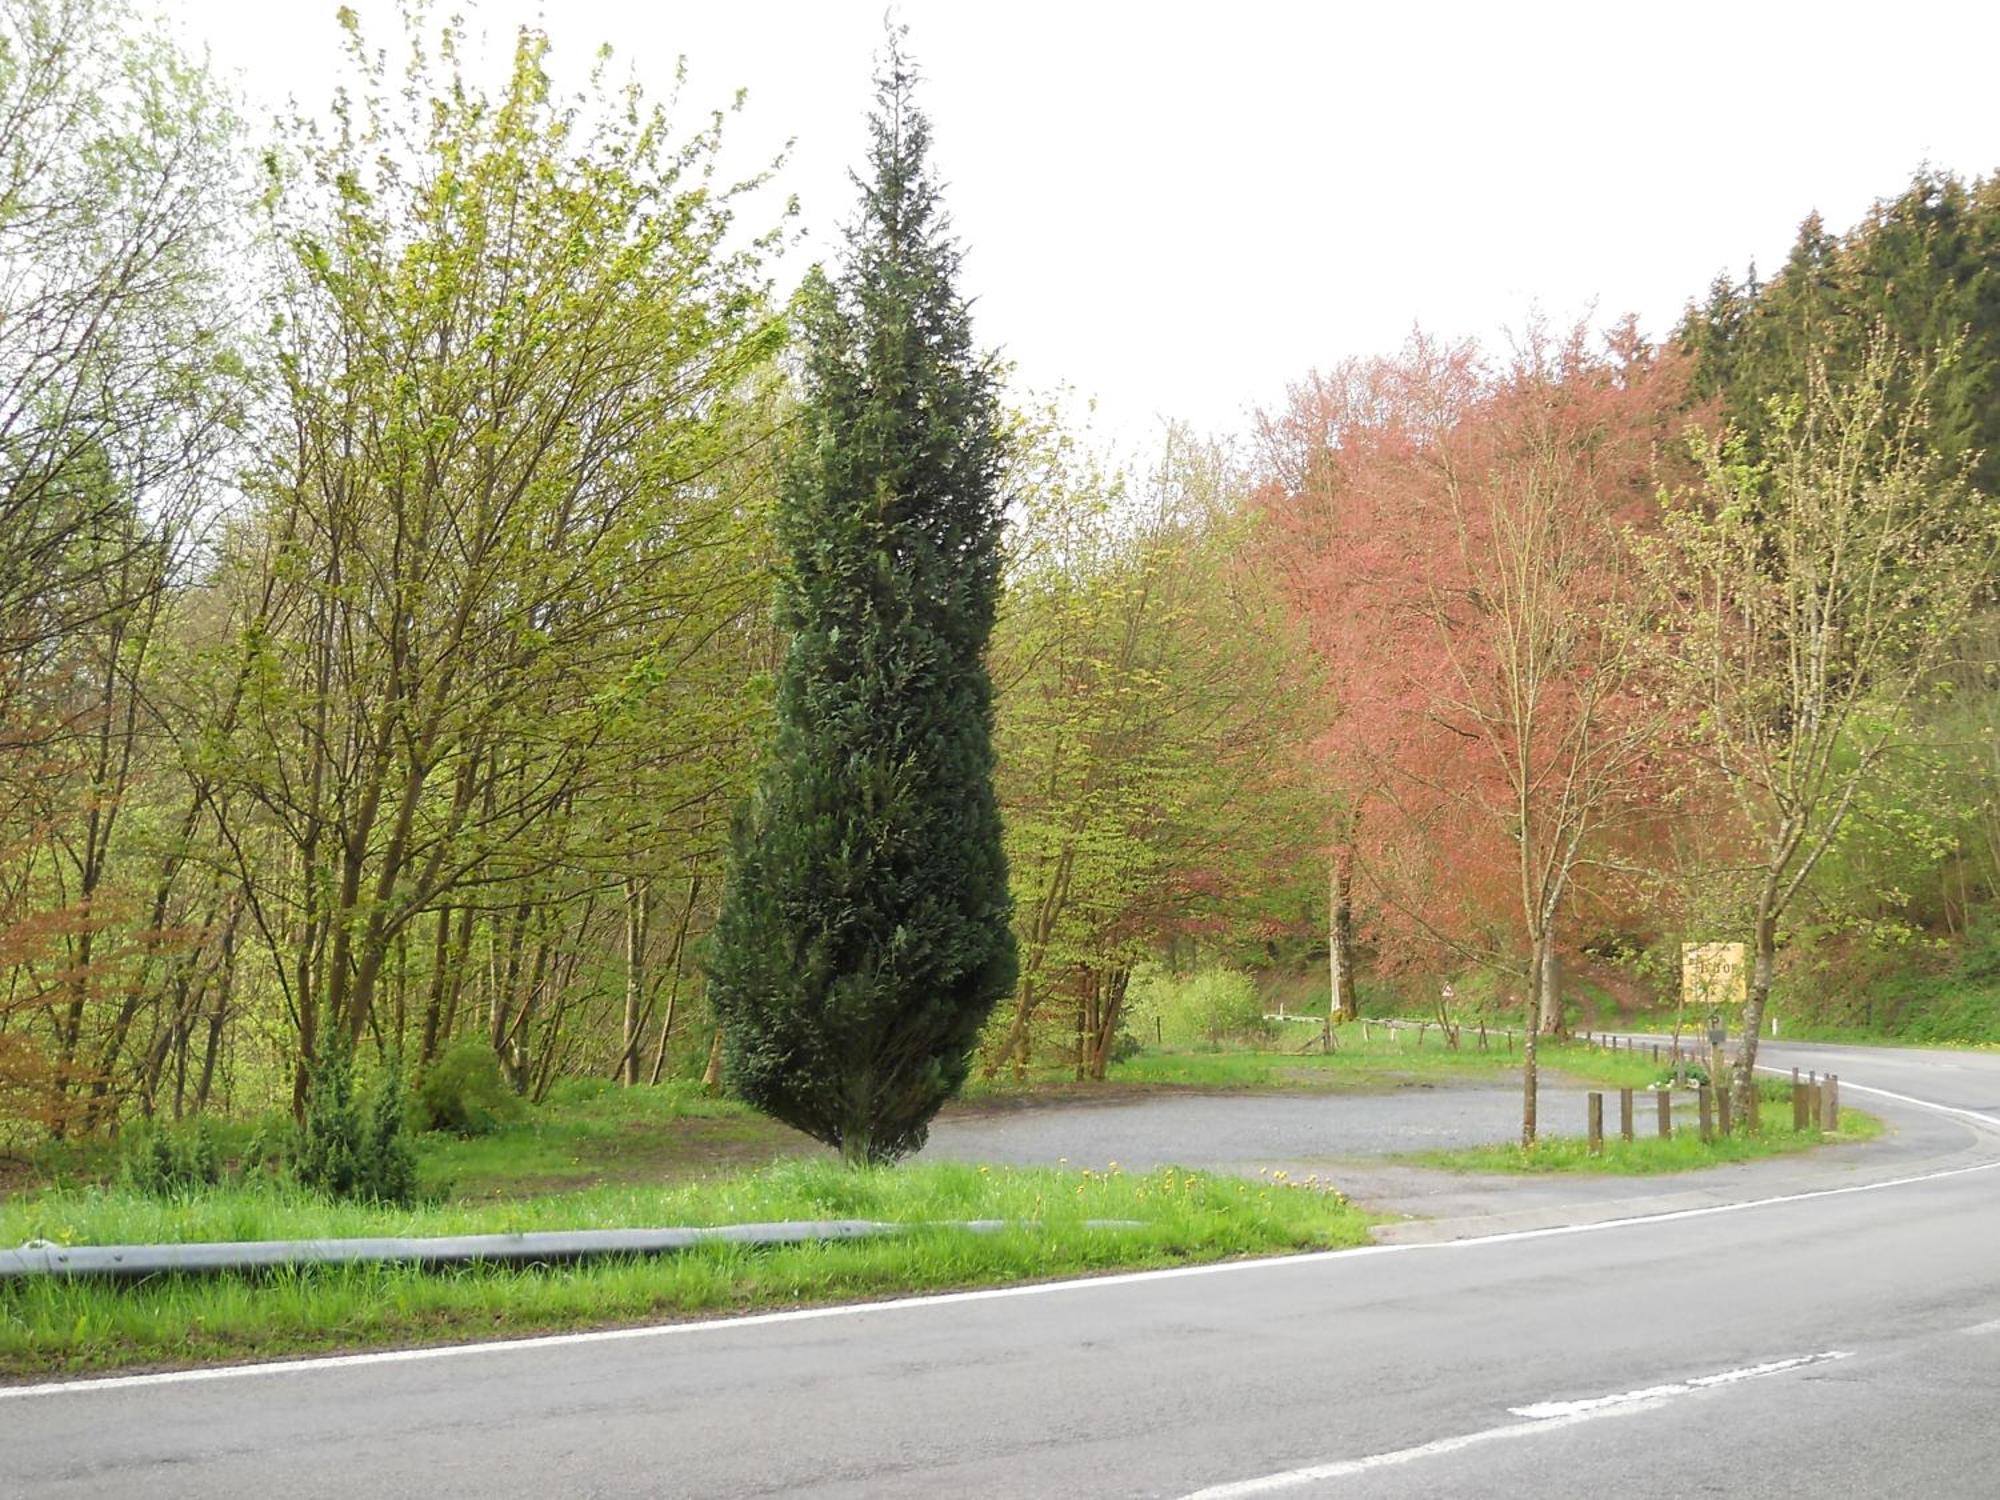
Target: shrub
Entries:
(462, 1092)
(1695, 1074)
(167, 1164)
(1212, 1006)
(343, 1155)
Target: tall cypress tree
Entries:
(865, 936)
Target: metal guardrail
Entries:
(552, 1247)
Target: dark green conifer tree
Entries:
(1923, 266)
(865, 935)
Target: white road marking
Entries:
(1991, 1326)
(1545, 1409)
(1347, 1468)
(1547, 1416)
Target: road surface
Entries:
(1834, 1333)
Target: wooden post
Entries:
(1482, 1036)
(1625, 1114)
(1814, 1095)
(1596, 1124)
(1656, 1052)
(1722, 1109)
(1798, 1105)
(1665, 1099)
(1705, 1097)
(1829, 1119)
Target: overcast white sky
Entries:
(1177, 208)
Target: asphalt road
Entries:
(1842, 1341)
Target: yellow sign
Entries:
(1714, 976)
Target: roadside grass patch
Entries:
(1363, 1063)
(51, 1326)
(1646, 1154)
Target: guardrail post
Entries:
(1829, 1119)
(1664, 1098)
(1596, 1124)
(1625, 1114)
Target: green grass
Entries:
(1646, 1154)
(591, 1135)
(49, 1326)
(1382, 1060)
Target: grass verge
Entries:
(1647, 1155)
(55, 1327)
(1363, 1063)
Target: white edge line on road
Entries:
(1943, 1109)
(986, 1294)
(1548, 1417)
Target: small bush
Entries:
(1212, 1006)
(580, 1090)
(388, 1167)
(462, 1092)
(168, 1164)
(344, 1155)
(1695, 1075)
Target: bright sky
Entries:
(1178, 207)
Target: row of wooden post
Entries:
(1813, 1101)
(1632, 1045)
(1422, 1027)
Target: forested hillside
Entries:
(389, 581)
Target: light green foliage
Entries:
(463, 1093)
(492, 622)
(1208, 1007)
(1822, 588)
(1151, 715)
(121, 380)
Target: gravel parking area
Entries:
(1244, 1131)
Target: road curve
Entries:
(1844, 1339)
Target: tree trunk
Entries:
(635, 978)
(711, 1076)
(1762, 968)
(1344, 1004)
(674, 994)
(1110, 1006)
(1548, 986)
(1529, 1073)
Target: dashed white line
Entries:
(1544, 1409)
(1543, 1417)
